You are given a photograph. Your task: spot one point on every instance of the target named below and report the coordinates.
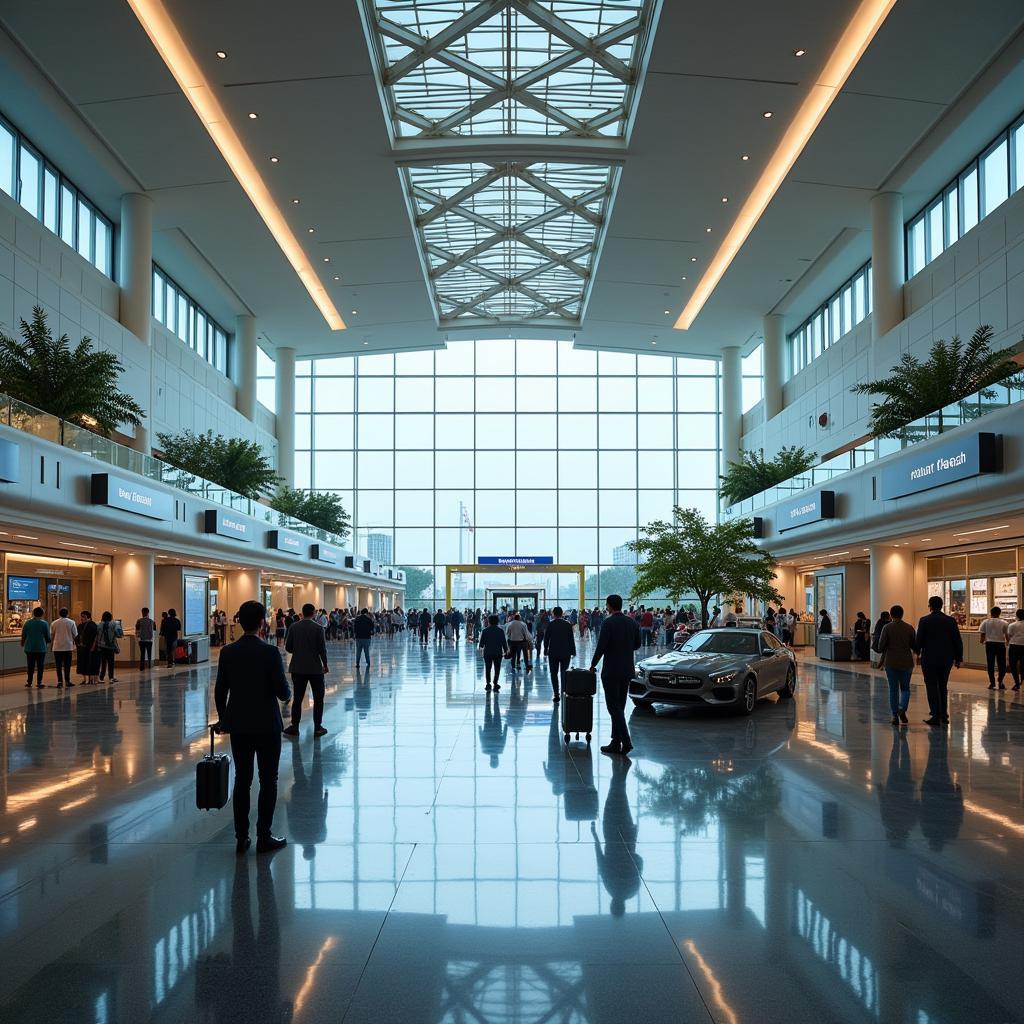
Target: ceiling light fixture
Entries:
(683, 278)
(273, 159)
(310, 230)
(856, 37)
(725, 199)
(355, 312)
(964, 533)
(336, 278)
(799, 53)
(693, 259)
(667, 311)
(252, 116)
(766, 114)
(707, 230)
(164, 35)
(745, 157)
(222, 55)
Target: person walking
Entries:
(35, 635)
(646, 625)
(109, 633)
(250, 686)
(307, 645)
(425, 627)
(520, 641)
(144, 630)
(896, 646)
(362, 630)
(940, 647)
(494, 644)
(994, 635)
(884, 618)
(88, 659)
(561, 648)
(63, 633)
(1015, 635)
(170, 630)
(440, 620)
(616, 643)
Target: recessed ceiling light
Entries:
(923, 539)
(327, 259)
(222, 55)
(725, 199)
(745, 157)
(273, 159)
(654, 343)
(667, 311)
(310, 230)
(355, 312)
(683, 278)
(693, 259)
(252, 116)
(336, 278)
(366, 343)
(799, 53)
(295, 202)
(708, 230)
(766, 114)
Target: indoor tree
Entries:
(322, 509)
(953, 370)
(416, 581)
(234, 463)
(78, 384)
(691, 555)
(754, 473)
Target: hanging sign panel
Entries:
(810, 507)
(946, 463)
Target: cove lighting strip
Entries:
(854, 41)
(164, 35)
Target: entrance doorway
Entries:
(516, 599)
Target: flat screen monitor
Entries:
(22, 588)
(196, 589)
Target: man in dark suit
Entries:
(618, 639)
(307, 645)
(561, 647)
(250, 685)
(941, 647)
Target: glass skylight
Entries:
(457, 68)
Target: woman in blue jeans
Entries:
(897, 645)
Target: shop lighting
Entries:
(164, 35)
(854, 41)
(832, 554)
(25, 536)
(987, 529)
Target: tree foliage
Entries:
(753, 472)
(690, 555)
(416, 581)
(234, 463)
(78, 384)
(318, 508)
(952, 371)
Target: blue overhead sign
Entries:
(810, 507)
(323, 553)
(957, 459)
(226, 524)
(515, 560)
(283, 540)
(129, 496)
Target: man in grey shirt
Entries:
(897, 645)
(306, 644)
(144, 630)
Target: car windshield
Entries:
(722, 641)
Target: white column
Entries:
(892, 581)
(242, 585)
(132, 590)
(774, 361)
(285, 382)
(243, 366)
(732, 404)
(135, 275)
(886, 262)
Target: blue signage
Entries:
(22, 588)
(282, 540)
(9, 468)
(226, 524)
(323, 553)
(810, 507)
(196, 605)
(120, 493)
(957, 459)
(515, 560)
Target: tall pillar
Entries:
(887, 262)
(243, 366)
(773, 358)
(135, 308)
(893, 581)
(132, 590)
(242, 585)
(101, 590)
(285, 382)
(732, 404)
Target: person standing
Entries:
(861, 637)
(897, 645)
(561, 647)
(144, 629)
(307, 645)
(994, 634)
(425, 627)
(440, 620)
(110, 632)
(35, 635)
(1015, 634)
(250, 686)
(88, 659)
(494, 644)
(170, 630)
(616, 643)
(646, 625)
(824, 622)
(362, 630)
(64, 633)
(940, 647)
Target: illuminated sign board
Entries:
(129, 496)
(226, 524)
(940, 464)
(809, 507)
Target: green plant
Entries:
(416, 581)
(690, 555)
(234, 463)
(76, 384)
(322, 509)
(753, 472)
(915, 388)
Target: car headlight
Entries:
(641, 673)
(726, 677)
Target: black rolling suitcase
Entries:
(577, 715)
(212, 780)
(580, 682)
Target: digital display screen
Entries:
(22, 588)
(196, 588)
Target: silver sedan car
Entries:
(719, 668)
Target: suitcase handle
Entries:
(212, 732)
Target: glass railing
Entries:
(70, 435)
(968, 410)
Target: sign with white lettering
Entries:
(323, 553)
(9, 452)
(809, 507)
(117, 492)
(226, 524)
(283, 540)
(515, 560)
(956, 459)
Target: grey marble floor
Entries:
(450, 859)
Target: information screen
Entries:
(196, 588)
(22, 588)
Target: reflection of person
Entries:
(517, 701)
(941, 647)
(307, 806)
(618, 863)
(554, 766)
(942, 800)
(896, 797)
(492, 734)
(618, 639)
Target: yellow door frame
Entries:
(476, 568)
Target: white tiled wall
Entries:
(979, 279)
(37, 268)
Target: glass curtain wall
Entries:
(508, 448)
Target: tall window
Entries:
(43, 192)
(834, 318)
(183, 316)
(266, 383)
(509, 447)
(753, 378)
(985, 183)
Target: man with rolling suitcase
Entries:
(561, 646)
(250, 686)
(616, 643)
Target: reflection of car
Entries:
(717, 667)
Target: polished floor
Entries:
(450, 859)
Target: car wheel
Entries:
(748, 696)
(643, 707)
(789, 686)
